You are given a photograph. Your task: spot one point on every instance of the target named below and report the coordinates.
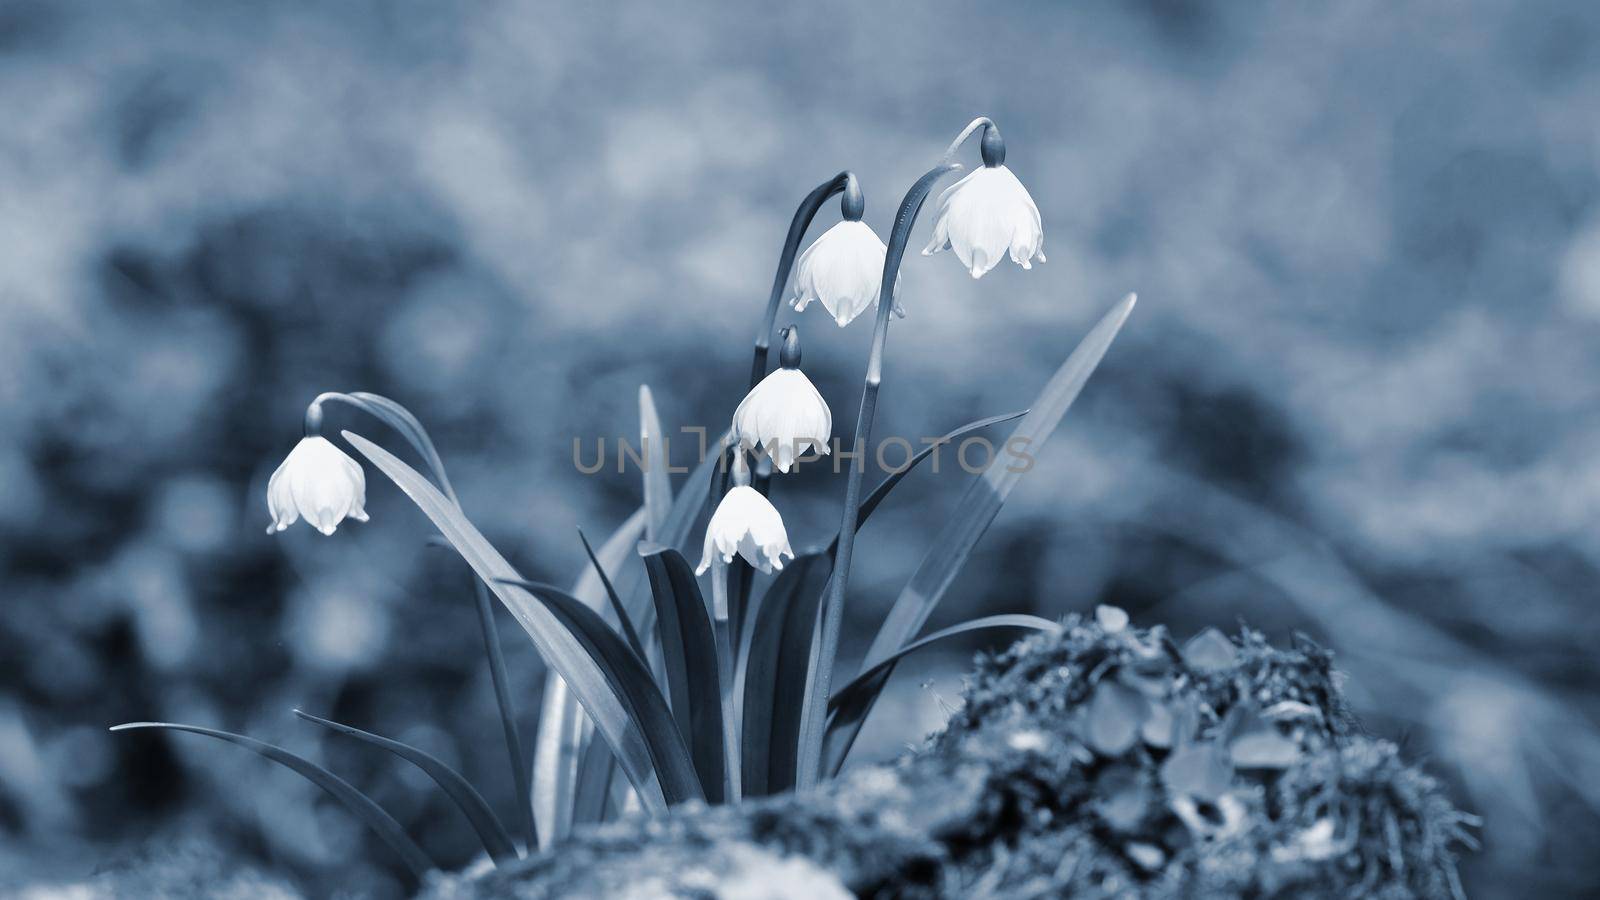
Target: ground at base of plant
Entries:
(1098, 761)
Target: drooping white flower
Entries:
(843, 270)
(784, 415)
(319, 481)
(983, 216)
(748, 525)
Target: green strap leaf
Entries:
(631, 681)
(401, 420)
(848, 707)
(881, 492)
(686, 510)
(558, 757)
(593, 785)
(779, 652)
(358, 803)
(657, 482)
(556, 765)
(494, 836)
(984, 497)
(625, 623)
(689, 650)
(558, 647)
(692, 499)
(410, 428)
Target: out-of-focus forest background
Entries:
(1358, 398)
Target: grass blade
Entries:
(631, 681)
(881, 492)
(657, 481)
(686, 508)
(358, 803)
(689, 649)
(410, 428)
(848, 707)
(593, 786)
(623, 621)
(401, 420)
(775, 675)
(983, 498)
(558, 647)
(558, 755)
(557, 764)
(494, 836)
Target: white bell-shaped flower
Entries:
(784, 415)
(985, 215)
(320, 482)
(843, 270)
(748, 525)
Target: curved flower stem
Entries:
(402, 421)
(844, 182)
(727, 650)
(815, 715)
(743, 574)
(791, 245)
(980, 122)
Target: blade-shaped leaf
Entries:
(471, 803)
(686, 508)
(984, 497)
(775, 675)
(623, 621)
(689, 649)
(657, 482)
(557, 754)
(593, 786)
(358, 803)
(692, 499)
(849, 705)
(401, 420)
(881, 492)
(558, 647)
(632, 683)
(556, 761)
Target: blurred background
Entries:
(1358, 396)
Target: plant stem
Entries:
(721, 573)
(791, 245)
(807, 211)
(407, 425)
(815, 717)
(726, 650)
(974, 125)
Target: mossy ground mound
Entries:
(1100, 761)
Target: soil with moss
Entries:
(1099, 761)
